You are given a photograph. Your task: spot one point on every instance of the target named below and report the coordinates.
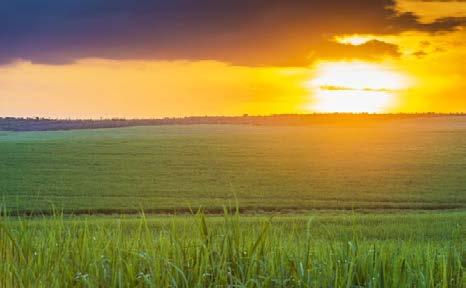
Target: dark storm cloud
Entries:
(243, 32)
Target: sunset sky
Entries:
(126, 58)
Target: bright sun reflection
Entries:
(355, 87)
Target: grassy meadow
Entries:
(365, 205)
(403, 164)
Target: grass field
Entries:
(407, 176)
(316, 250)
(402, 164)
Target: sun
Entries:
(355, 87)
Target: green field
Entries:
(404, 181)
(320, 250)
(402, 164)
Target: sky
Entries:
(143, 59)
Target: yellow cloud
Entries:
(429, 11)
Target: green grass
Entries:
(321, 250)
(412, 165)
(403, 164)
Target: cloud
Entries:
(428, 11)
(419, 54)
(242, 32)
(443, 24)
(369, 50)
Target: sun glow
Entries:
(355, 87)
(354, 39)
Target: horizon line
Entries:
(38, 118)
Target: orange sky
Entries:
(429, 74)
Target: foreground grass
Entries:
(342, 250)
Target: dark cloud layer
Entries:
(242, 32)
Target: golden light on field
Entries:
(355, 87)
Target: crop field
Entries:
(402, 164)
(314, 250)
(363, 205)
